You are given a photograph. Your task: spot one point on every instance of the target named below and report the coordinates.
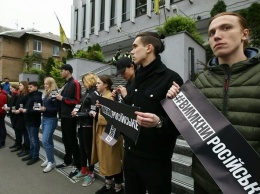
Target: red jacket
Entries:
(3, 101)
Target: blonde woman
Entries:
(49, 122)
(108, 157)
(85, 133)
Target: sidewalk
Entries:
(19, 178)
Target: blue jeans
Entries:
(49, 125)
(33, 133)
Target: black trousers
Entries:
(200, 190)
(142, 174)
(85, 135)
(2, 131)
(118, 178)
(70, 141)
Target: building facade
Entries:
(114, 23)
(16, 44)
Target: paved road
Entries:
(18, 178)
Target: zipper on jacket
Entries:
(225, 99)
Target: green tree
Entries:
(219, 7)
(178, 24)
(48, 66)
(28, 60)
(251, 14)
(55, 73)
(93, 53)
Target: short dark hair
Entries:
(34, 83)
(1, 86)
(154, 39)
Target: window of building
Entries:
(37, 66)
(56, 51)
(76, 27)
(84, 20)
(37, 46)
(126, 10)
(141, 7)
(93, 16)
(102, 18)
(113, 13)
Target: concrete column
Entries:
(132, 11)
(149, 8)
(107, 15)
(72, 24)
(80, 21)
(119, 5)
(97, 16)
(88, 18)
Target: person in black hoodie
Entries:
(20, 122)
(33, 121)
(147, 163)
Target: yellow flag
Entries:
(156, 7)
(62, 35)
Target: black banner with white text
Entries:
(226, 155)
(121, 116)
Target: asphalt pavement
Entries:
(18, 178)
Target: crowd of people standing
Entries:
(144, 166)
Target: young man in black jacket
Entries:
(32, 119)
(69, 96)
(147, 164)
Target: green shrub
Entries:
(178, 24)
(219, 7)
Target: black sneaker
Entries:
(33, 161)
(16, 149)
(62, 165)
(2, 146)
(21, 151)
(29, 157)
(114, 191)
(104, 190)
(74, 172)
(24, 153)
(14, 146)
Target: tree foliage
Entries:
(178, 24)
(55, 73)
(28, 60)
(93, 52)
(48, 66)
(219, 7)
(251, 14)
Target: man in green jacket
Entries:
(232, 84)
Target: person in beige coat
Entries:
(108, 157)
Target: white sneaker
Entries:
(44, 163)
(49, 167)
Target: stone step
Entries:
(181, 164)
(182, 147)
(182, 184)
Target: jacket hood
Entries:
(253, 56)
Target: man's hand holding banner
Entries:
(226, 155)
